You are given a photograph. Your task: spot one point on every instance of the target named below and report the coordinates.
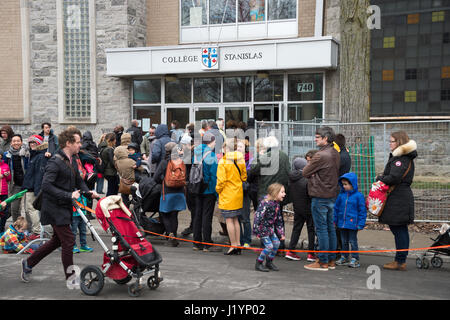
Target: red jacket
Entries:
(4, 168)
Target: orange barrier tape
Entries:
(282, 250)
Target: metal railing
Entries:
(368, 145)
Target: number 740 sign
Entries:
(305, 87)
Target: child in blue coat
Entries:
(349, 216)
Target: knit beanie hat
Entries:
(36, 138)
(299, 163)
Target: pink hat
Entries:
(36, 138)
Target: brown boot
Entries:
(394, 265)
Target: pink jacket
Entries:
(4, 182)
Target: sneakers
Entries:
(317, 266)
(85, 249)
(172, 242)
(75, 249)
(292, 256)
(196, 248)
(311, 258)
(354, 263)
(342, 261)
(25, 275)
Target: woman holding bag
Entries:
(399, 208)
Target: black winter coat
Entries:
(298, 186)
(35, 171)
(399, 208)
(58, 184)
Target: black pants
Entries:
(190, 202)
(204, 210)
(113, 185)
(170, 222)
(299, 221)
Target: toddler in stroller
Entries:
(131, 256)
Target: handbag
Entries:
(245, 184)
(125, 186)
(378, 195)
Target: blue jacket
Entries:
(350, 206)
(162, 138)
(36, 168)
(209, 167)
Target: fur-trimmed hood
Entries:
(406, 148)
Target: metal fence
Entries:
(368, 145)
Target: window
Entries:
(410, 96)
(410, 74)
(222, 10)
(147, 91)
(251, 10)
(193, 12)
(438, 16)
(237, 89)
(413, 18)
(388, 75)
(178, 91)
(77, 64)
(445, 94)
(269, 88)
(307, 111)
(305, 87)
(446, 37)
(207, 90)
(282, 9)
(389, 42)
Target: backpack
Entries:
(196, 184)
(175, 174)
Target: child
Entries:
(298, 186)
(14, 239)
(79, 224)
(267, 224)
(349, 216)
(5, 178)
(133, 150)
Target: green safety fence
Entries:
(363, 164)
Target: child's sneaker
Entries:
(292, 256)
(311, 258)
(342, 261)
(85, 249)
(354, 263)
(75, 249)
(25, 275)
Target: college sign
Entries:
(210, 58)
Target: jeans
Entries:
(100, 184)
(401, 236)
(349, 237)
(202, 225)
(271, 245)
(244, 220)
(322, 212)
(78, 224)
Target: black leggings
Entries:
(170, 222)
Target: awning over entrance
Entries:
(299, 53)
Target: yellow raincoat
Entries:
(229, 183)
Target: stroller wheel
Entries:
(134, 290)
(419, 263)
(124, 280)
(437, 262)
(152, 283)
(91, 280)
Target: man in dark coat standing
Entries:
(136, 133)
(61, 183)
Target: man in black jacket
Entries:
(136, 133)
(61, 183)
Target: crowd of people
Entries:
(199, 169)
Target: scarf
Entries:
(22, 152)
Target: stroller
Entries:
(131, 255)
(443, 239)
(146, 197)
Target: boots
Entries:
(394, 265)
(260, 267)
(271, 266)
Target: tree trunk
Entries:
(354, 61)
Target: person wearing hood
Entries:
(125, 168)
(6, 133)
(118, 131)
(399, 208)
(162, 138)
(33, 181)
(17, 158)
(205, 202)
(49, 137)
(349, 216)
(88, 156)
(231, 172)
(298, 185)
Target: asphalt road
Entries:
(190, 275)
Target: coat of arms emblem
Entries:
(210, 58)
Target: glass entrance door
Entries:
(237, 113)
(267, 112)
(206, 113)
(180, 114)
